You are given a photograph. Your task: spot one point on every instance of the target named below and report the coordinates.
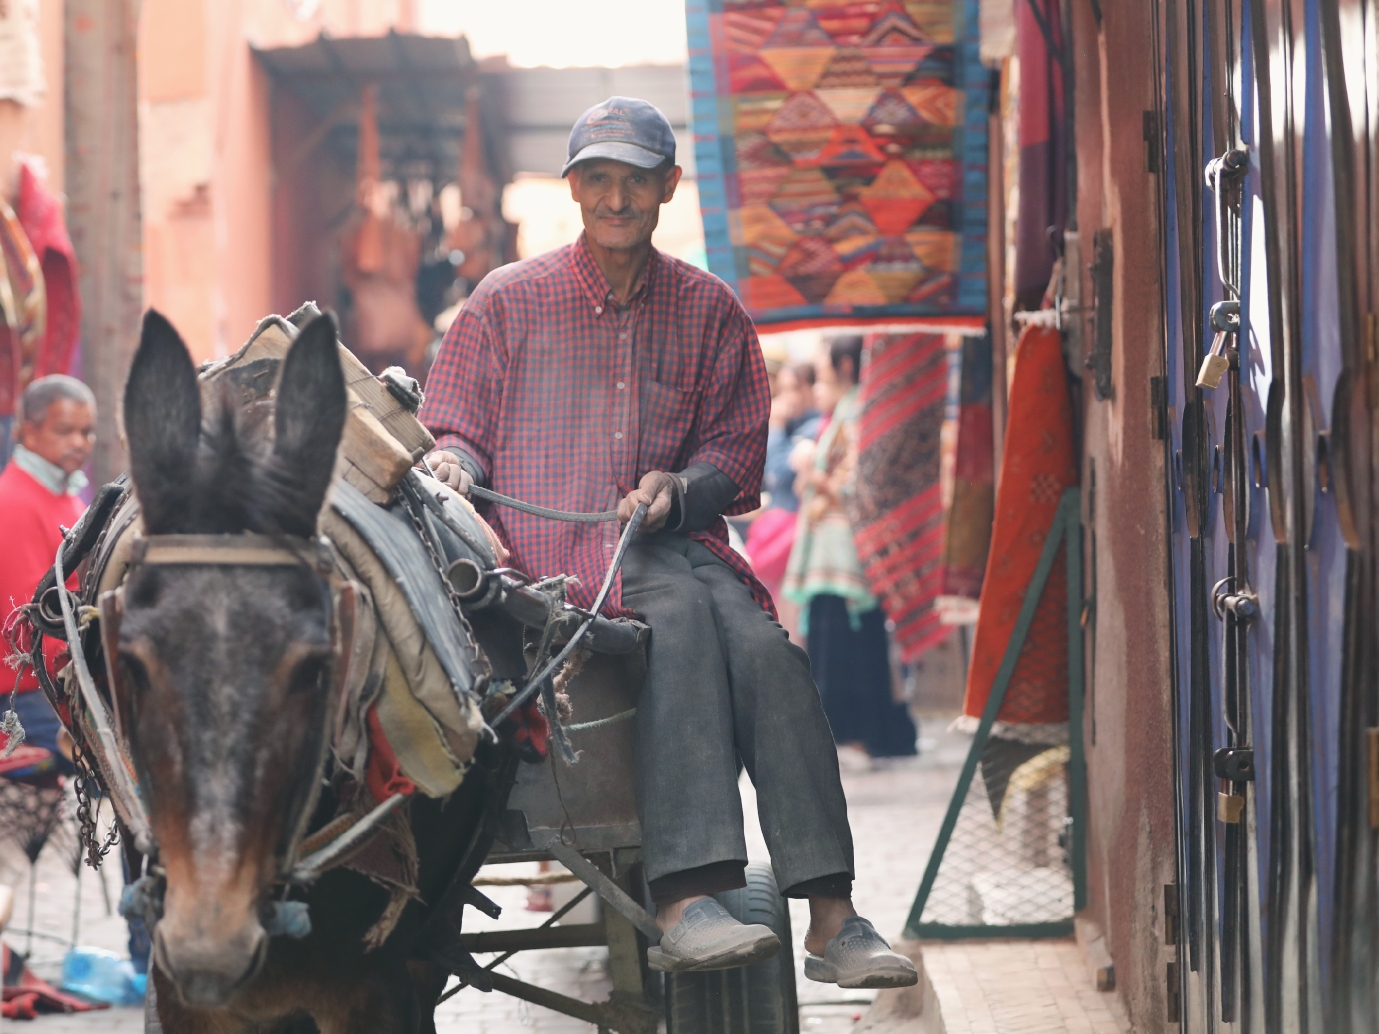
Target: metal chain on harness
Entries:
(437, 561)
(88, 808)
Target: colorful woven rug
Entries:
(841, 151)
(1038, 464)
(896, 509)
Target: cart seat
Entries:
(599, 811)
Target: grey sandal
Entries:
(709, 938)
(860, 957)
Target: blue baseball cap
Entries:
(624, 129)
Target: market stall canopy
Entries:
(422, 83)
(541, 104)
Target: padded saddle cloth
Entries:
(415, 670)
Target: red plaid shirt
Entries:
(566, 399)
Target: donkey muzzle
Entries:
(208, 971)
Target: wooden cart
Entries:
(584, 816)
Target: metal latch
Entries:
(1243, 606)
(1235, 764)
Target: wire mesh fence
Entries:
(1008, 861)
(1010, 856)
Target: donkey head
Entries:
(224, 671)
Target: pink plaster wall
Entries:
(209, 184)
(38, 129)
(1129, 718)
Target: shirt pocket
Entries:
(667, 418)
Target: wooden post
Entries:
(103, 213)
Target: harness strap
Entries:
(569, 516)
(242, 550)
(124, 789)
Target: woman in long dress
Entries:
(844, 626)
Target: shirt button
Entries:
(598, 310)
(622, 337)
(617, 435)
(621, 385)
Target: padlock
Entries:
(1214, 363)
(1229, 807)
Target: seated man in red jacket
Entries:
(38, 497)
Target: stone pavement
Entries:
(991, 988)
(1019, 987)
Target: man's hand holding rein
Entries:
(659, 491)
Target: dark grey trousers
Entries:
(725, 682)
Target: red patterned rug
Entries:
(1037, 465)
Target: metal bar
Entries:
(589, 1013)
(560, 914)
(993, 708)
(1077, 766)
(622, 1017)
(534, 609)
(580, 935)
(606, 889)
(1020, 931)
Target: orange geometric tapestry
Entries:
(841, 154)
(1037, 465)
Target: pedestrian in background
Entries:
(55, 431)
(844, 627)
(794, 418)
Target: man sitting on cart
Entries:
(606, 374)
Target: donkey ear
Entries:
(162, 419)
(310, 414)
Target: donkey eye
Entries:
(133, 673)
(309, 676)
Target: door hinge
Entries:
(1158, 409)
(1151, 142)
(1170, 913)
(1171, 1000)
(1372, 735)
(1102, 267)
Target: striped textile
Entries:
(897, 509)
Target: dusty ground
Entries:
(895, 812)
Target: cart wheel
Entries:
(757, 999)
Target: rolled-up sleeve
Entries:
(731, 427)
(464, 389)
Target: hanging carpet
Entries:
(896, 510)
(841, 154)
(1038, 464)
